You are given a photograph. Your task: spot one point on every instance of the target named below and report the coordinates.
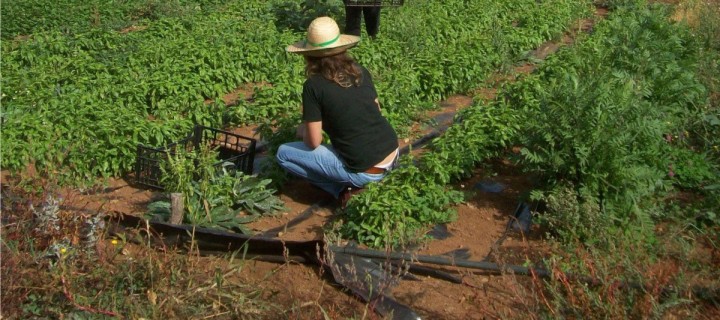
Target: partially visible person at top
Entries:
(339, 98)
(353, 16)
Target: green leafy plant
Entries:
(298, 15)
(218, 197)
(97, 93)
(414, 197)
(597, 117)
(397, 210)
(571, 215)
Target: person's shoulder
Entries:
(362, 68)
(313, 80)
(364, 71)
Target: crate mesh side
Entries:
(233, 148)
(147, 166)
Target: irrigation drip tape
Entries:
(708, 294)
(431, 272)
(311, 251)
(442, 119)
(260, 158)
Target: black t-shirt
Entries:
(352, 120)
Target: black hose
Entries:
(435, 273)
(210, 241)
(482, 265)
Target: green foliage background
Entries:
(619, 120)
(96, 91)
(607, 124)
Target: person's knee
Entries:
(282, 154)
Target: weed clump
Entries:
(57, 261)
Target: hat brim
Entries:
(345, 42)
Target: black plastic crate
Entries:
(374, 3)
(236, 152)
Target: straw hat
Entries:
(323, 39)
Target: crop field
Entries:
(560, 159)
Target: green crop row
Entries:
(431, 50)
(606, 124)
(604, 127)
(28, 17)
(415, 197)
(96, 94)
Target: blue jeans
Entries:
(322, 167)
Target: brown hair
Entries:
(339, 68)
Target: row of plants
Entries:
(413, 70)
(604, 125)
(608, 125)
(417, 195)
(98, 93)
(704, 19)
(671, 272)
(25, 18)
(430, 50)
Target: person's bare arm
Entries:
(377, 102)
(311, 133)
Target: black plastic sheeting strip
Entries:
(211, 240)
(422, 141)
(370, 282)
(361, 276)
(439, 232)
(444, 120)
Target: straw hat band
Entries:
(323, 44)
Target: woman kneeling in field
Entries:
(339, 98)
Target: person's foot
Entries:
(346, 194)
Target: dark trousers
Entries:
(352, 20)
